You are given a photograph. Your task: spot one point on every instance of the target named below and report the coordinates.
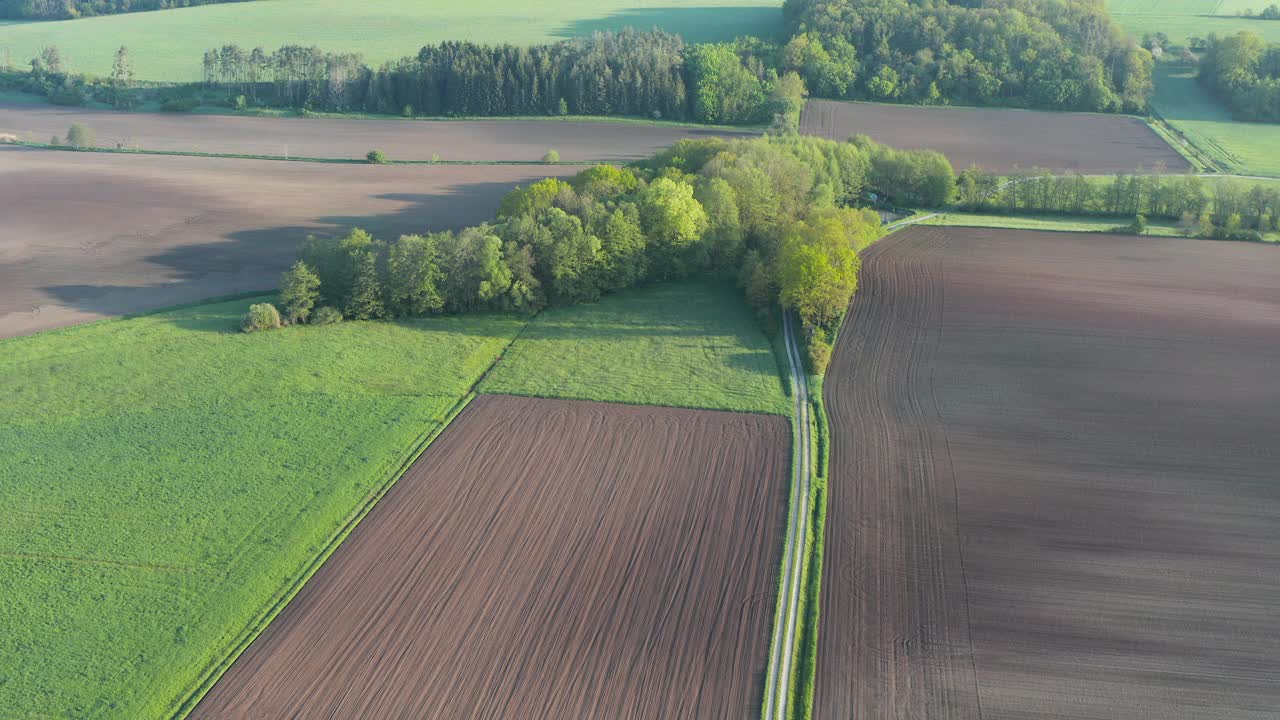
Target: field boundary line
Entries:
(783, 644)
(217, 669)
(284, 158)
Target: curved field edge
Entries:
(218, 668)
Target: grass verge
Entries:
(692, 343)
(1059, 223)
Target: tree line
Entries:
(1053, 54)
(70, 9)
(1243, 70)
(785, 215)
(649, 74)
(1223, 209)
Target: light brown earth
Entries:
(543, 559)
(1000, 139)
(89, 235)
(466, 140)
(1055, 481)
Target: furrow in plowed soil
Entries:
(543, 559)
(1001, 139)
(1052, 481)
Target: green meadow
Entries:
(169, 481)
(687, 344)
(167, 45)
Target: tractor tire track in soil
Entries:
(543, 559)
(1053, 481)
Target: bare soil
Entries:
(466, 140)
(1054, 481)
(999, 139)
(543, 559)
(89, 235)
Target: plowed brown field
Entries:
(543, 559)
(467, 140)
(1054, 481)
(88, 235)
(999, 139)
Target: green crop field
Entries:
(1180, 19)
(167, 479)
(687, 344)
(1237, 147)
(168, 45)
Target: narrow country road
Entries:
(783, 645)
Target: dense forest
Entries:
(779, 213)
(650, 74)
(1244, 72)
(68, 9)
(1056, 54)
(1223, 210)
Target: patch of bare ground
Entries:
(90, 235)
(1054, 481)
(1001, 139)
(464, 140)
(543, 559)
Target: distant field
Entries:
(687, 344)
(1000, 139)
(166, 478)
(1241, 148)
(169, 44)
(1180, 19)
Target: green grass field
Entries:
(1057, 223)
(687, 344)
(1180, 19)
(1060, 223)
(1236, 147)
(1241, 148)
(168, 480)
(168, 45)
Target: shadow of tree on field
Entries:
(694, 24)
(223, 259)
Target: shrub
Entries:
(182, 104)
(262, 316)
(819, 354)
(55, 141)
(241, 102)
(551, 157)
(326, 316)
(376, 157)
(80, 136)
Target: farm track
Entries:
(778, 689)
(543, 559)
(1052, 481)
